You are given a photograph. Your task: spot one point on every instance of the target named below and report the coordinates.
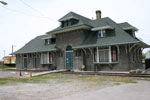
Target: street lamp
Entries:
(4, 3)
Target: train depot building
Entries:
(98, 45)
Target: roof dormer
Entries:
(69, 22)
(50, 39)
(128, 28)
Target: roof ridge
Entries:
(75, 15)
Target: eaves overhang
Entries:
(33, 51)
(102, 28)
(102, 45)
(67, 29)
(130, 28)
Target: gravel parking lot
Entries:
(76, 87)
(4, 74)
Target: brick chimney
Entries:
(98, 14)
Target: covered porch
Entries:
(120, 57)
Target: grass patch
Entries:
(5, 67)
(37, 79)
(92, 78)
(66, 78)
(10, 80)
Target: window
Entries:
(73, 21)
(131, 32)
(101, 54)
(64, 23)
(105, 54)
(53, 40)
(101, 33)
(50, 58)
(78, 53)
(114, 53)
(47, 41)
(50, 41)
(45, 58)
(69, 22)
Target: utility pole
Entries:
(4, 3)
(13, 49)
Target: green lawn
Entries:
(5, 67)
(65, 78)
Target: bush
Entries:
(138, 71)
(132, 72)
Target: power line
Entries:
(43, 16)
(32, 8)
(28, 14)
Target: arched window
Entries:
(69, 48)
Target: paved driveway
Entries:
(134, 91)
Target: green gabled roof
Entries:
(121, 37)
(126, 25)
(83, 21)
(91, 40)
(98, 23)
(36, 45)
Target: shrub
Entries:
(138, 71)
(132, 72)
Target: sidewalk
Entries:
(43, 73)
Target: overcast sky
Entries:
(23, 20)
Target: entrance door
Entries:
(69, 57)
(25, 62)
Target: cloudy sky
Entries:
(23, 20)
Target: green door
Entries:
(69, 58)
(25, 62)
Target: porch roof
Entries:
(142, 44)
(36, 45)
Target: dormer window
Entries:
(47, 41)
(73, 21)
(53, 40)
(131, 32)
(69, 22)
(101, 33)
(50, 41)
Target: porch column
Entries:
(97, 56)
(110, 54)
